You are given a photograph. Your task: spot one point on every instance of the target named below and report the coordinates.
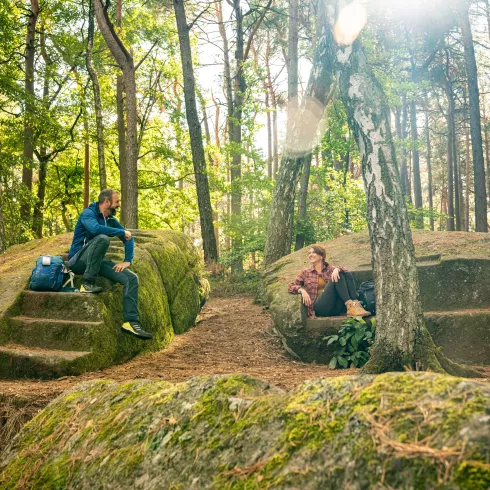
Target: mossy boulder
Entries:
(454, 276)
(397, 430)
(55, 334)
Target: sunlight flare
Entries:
(351, 20)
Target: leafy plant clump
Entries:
(352, 343)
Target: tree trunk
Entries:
(197, 148)
(97, 100)
(268, 112)
(38, 213)
(86, 167)
(299, 142)
(272, 96)
(212, 164)
(3, 241)
(450, 155)
(405, 182)
(401, 337)
(429, 168)
(292, 60)
(417, 185)
(125, 62)
(467, 160)
(30, 52)
(487, 151)
(303, 195)
(457, 195)
(121, 124)
(481, 223)
(235, 126)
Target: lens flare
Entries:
(304, 131)
(352, 19)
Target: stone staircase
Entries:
(45, 339)
(58, 334)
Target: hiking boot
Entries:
(134, 328)
(354, 308)
(90, 287)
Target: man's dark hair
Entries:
(106, 194)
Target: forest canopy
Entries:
(97, 94)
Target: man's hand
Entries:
(120, 267)
(335, 275)
(127, 235)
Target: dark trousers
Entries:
(332, 300)
(91, 264)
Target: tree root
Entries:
(426, 357)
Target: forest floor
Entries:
(233, 335)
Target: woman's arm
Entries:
(297, 284)
(333, 272)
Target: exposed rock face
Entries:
(397, 430)
(454, 275)
(55, 334)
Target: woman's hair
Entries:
(318, 249)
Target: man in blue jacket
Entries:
(86, 256)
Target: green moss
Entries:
(168, 268)
(172, 266)
(186, 305)
(473, 475)
(397, 430)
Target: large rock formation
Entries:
(56, 334)
(454, 274)
(410, 431)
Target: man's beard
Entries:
(113, 211)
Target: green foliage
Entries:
(225, 285)
(352, 343)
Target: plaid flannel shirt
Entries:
(308, 280)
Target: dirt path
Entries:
(233, 336)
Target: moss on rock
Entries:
(398, 430)
(186, 304)
(168, 267)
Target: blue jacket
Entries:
(92, 223)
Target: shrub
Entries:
(352, 343)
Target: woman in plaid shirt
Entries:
(326, 290)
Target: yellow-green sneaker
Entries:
(134, 328)
(90, 287)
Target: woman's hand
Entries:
(306, 297)
(335, 275)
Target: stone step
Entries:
(17, 361)
(61, 306)
(464, 335)
(53, 333)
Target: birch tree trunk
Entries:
(197, 148)
(30, 52)
(97, 100)
(401, 337)
(125, 62)
(481, 223)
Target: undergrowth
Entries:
(225, 285)
(352, 343)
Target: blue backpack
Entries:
(48, 274)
